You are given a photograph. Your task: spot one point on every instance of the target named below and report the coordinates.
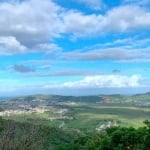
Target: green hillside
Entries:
(25, 136)
(54, 122)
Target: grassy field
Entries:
(88, 116)
(91, 116)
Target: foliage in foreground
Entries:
(25, 136)
(115, 138)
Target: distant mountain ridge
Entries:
(113, 98)
(59, 98)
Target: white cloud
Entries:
(119, 19)
(102, 81)
(85, 86)
(9, 45)
(31, 22)
(81, 25)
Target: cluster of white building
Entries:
(22, 111)
(107, 125)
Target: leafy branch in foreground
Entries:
(25, 136)
(114, 138)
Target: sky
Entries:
(74, 47)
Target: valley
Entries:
(80, 113)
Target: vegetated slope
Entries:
(137, 98)
(25, 136)
(114, 138)
(59, 98)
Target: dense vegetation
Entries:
(114, 138)
(52, 122)
(25, 136)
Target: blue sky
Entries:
(74, 47)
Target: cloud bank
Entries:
(102, 81)
(33, 25)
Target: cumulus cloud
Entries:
(102, 81)
(80, 25)
(9, 45)
(119, 19)
(99, 84)
(30, 23)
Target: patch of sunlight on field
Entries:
(131, 123)
(97, 116)
(123, 107)
(75, 104)
(146, 109)
(123, 121)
